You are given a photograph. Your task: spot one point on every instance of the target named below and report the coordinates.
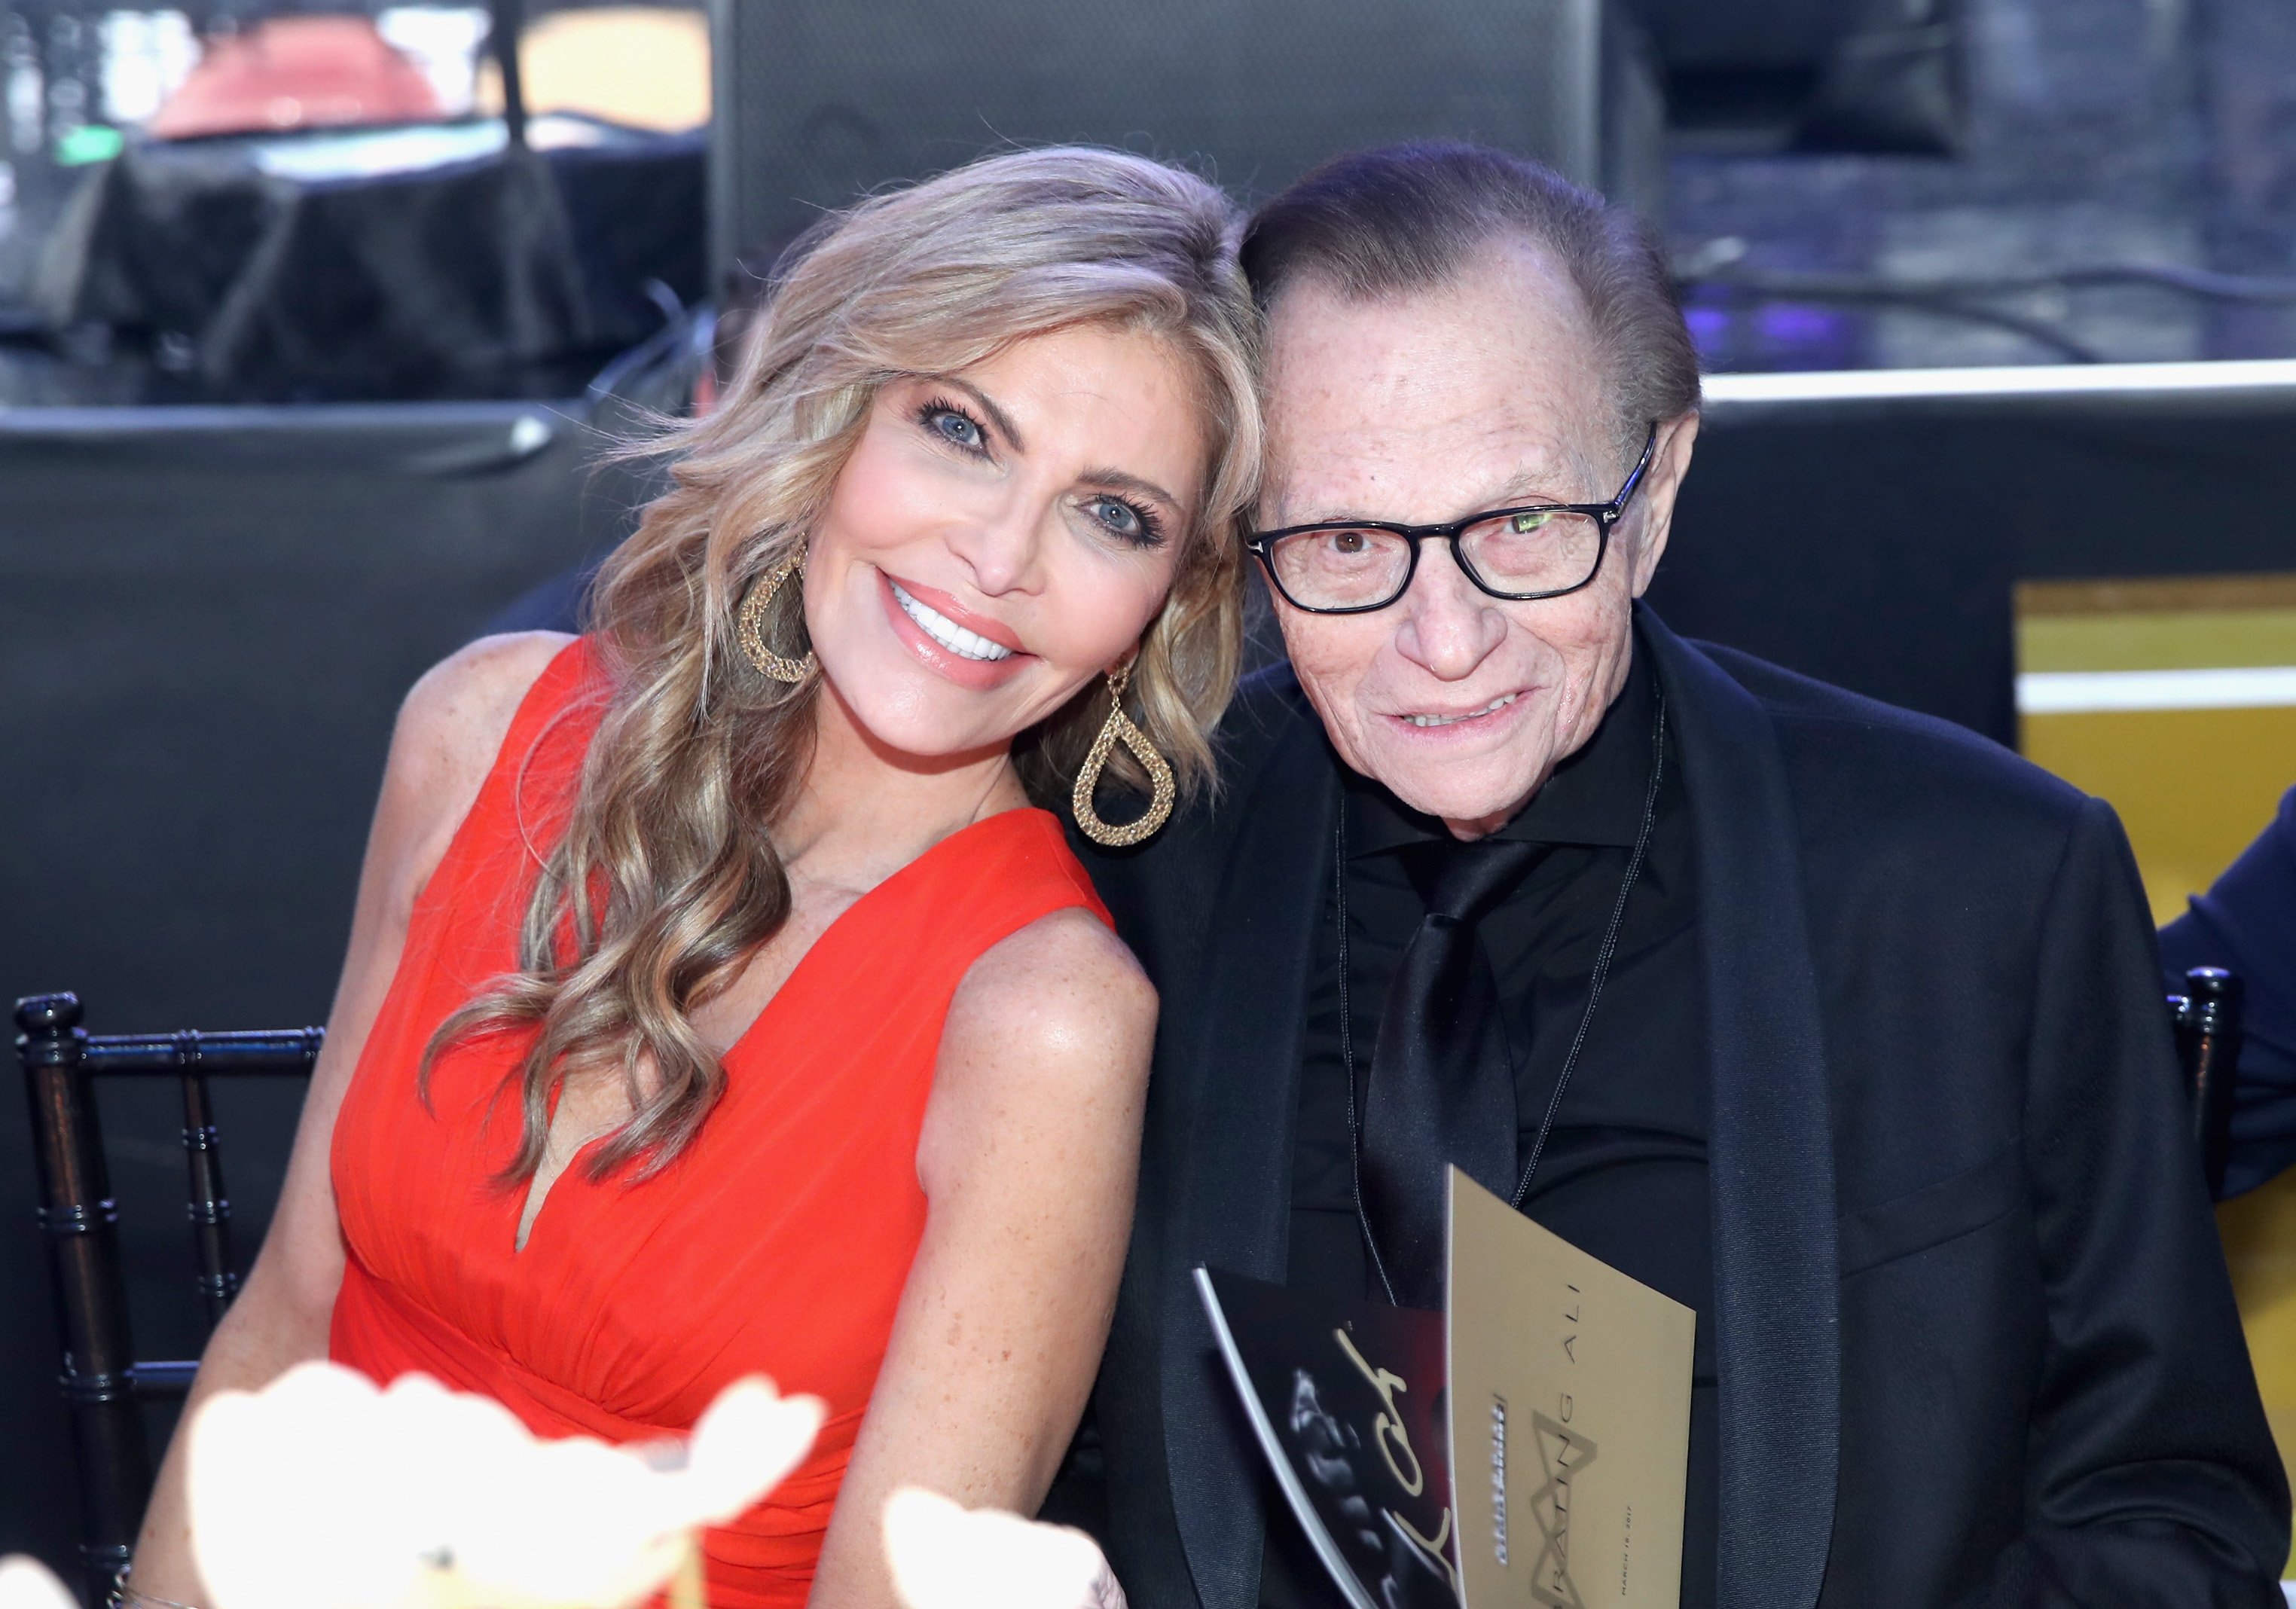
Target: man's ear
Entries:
(1669, 461)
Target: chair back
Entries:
(101, 1380)
(2207, 1016)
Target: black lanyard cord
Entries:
(1603, 957)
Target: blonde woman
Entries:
(716, 1000)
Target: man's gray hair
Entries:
(1406, 218)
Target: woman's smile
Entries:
(949, 623)
(966, 656)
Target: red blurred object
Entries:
(297, 72)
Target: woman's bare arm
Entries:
(448, 730)
(1030, 1150)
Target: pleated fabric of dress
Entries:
(778, 1243)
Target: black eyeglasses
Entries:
(1539, 550)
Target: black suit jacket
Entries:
(1975, 1340)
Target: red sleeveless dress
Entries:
(777, 1243)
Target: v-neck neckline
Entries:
(520, 1252)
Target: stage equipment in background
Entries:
(1718, 270)
(2175, 698)
(818, 104)
(1869, 528)
(1749, 76)
(508, 18)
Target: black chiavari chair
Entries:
(101, 1380)
(2207, 1016)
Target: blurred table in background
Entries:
(362, 265)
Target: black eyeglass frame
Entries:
(1260, 545)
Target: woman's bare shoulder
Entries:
(456, 717)
(450, 728)
(1044, 1060)
(1063, 995)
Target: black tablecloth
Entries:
(514, 275)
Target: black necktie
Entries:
(1442, 1083)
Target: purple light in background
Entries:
(1795, 324)
(1709, 330)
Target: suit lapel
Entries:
(1243, 1055)
(1777, 1298)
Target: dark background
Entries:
(207, 615)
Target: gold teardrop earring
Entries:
(1119, 729)
(751, 628)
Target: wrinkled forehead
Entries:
(1419, 404)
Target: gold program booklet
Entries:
(1527, 1447)
(1569, 1416)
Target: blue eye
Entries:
(1127, 523)
(1121, 518)
(953, 425)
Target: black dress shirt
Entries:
(1623, 1174)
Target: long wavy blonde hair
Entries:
(697, 756)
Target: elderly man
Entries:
(1836, 1024)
